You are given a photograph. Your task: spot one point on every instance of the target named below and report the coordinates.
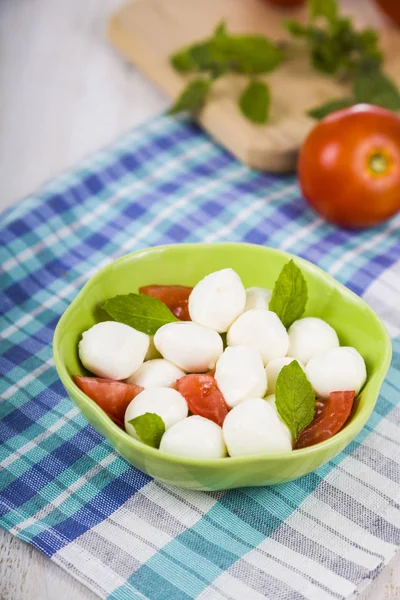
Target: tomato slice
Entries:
(174, 296)
(112, 396)
(203, 397)
(330, 416)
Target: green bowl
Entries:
(355, 322)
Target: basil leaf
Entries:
(142, 312)
(254, 102)
(324, 8)
(376, 88)
(192, 98)
(322, 111)
(295, 401)
(150, 428)
(290, 294)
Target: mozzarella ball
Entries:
(113, 350)
(156, 373)
(274, 367)
(194, 437)
(262, 330)
(257, 297)
(254, 427)
(217, 300)
(189, 346)
(169, 404)
(310, 336)
(240, 375)
(336, 370)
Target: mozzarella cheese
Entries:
(169, 404)
(194, 437)
(217, 300)
(339, 369)
(257, 297)
(189, 346)
(113, 350)
(262, 330)
(240, 375)
(310, 336)
(274, 367)
(156, 373)
(254, 427)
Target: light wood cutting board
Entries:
(147, 32)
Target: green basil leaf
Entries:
(322, 111)
(376, 88)
(295, 401)
(254, 102)
(144, 313)
(150, 428)
(290, 294)
(193, 97)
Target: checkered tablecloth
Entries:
(62, 487)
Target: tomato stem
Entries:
(378, 163)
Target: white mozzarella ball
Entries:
(336, 370)
(262, 330)
(257, 297)
(274, 367)
(240, 374)
(156, 373)
(194, 437)
(169, 404)
(189, 346)
(217, 300)
(113, 350)
(254, 427)
(310, 336)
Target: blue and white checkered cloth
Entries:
(62, 487)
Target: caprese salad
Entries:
(219, 370)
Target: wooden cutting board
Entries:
(147, 32)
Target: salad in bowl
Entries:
(252, 368)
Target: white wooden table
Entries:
(64, 93)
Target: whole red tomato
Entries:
(349, 166)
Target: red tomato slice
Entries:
(203, 397)
(174, 296)
(330, 416)
(112, 396)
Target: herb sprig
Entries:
(336, 48)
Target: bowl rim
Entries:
(350, 431)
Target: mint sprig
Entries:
(150, 428)
(144, 313)
(290, 294)
(294, 398)
(224, 53)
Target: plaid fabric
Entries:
(65, 491)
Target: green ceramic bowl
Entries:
(357, 325)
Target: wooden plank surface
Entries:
(147, 32)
